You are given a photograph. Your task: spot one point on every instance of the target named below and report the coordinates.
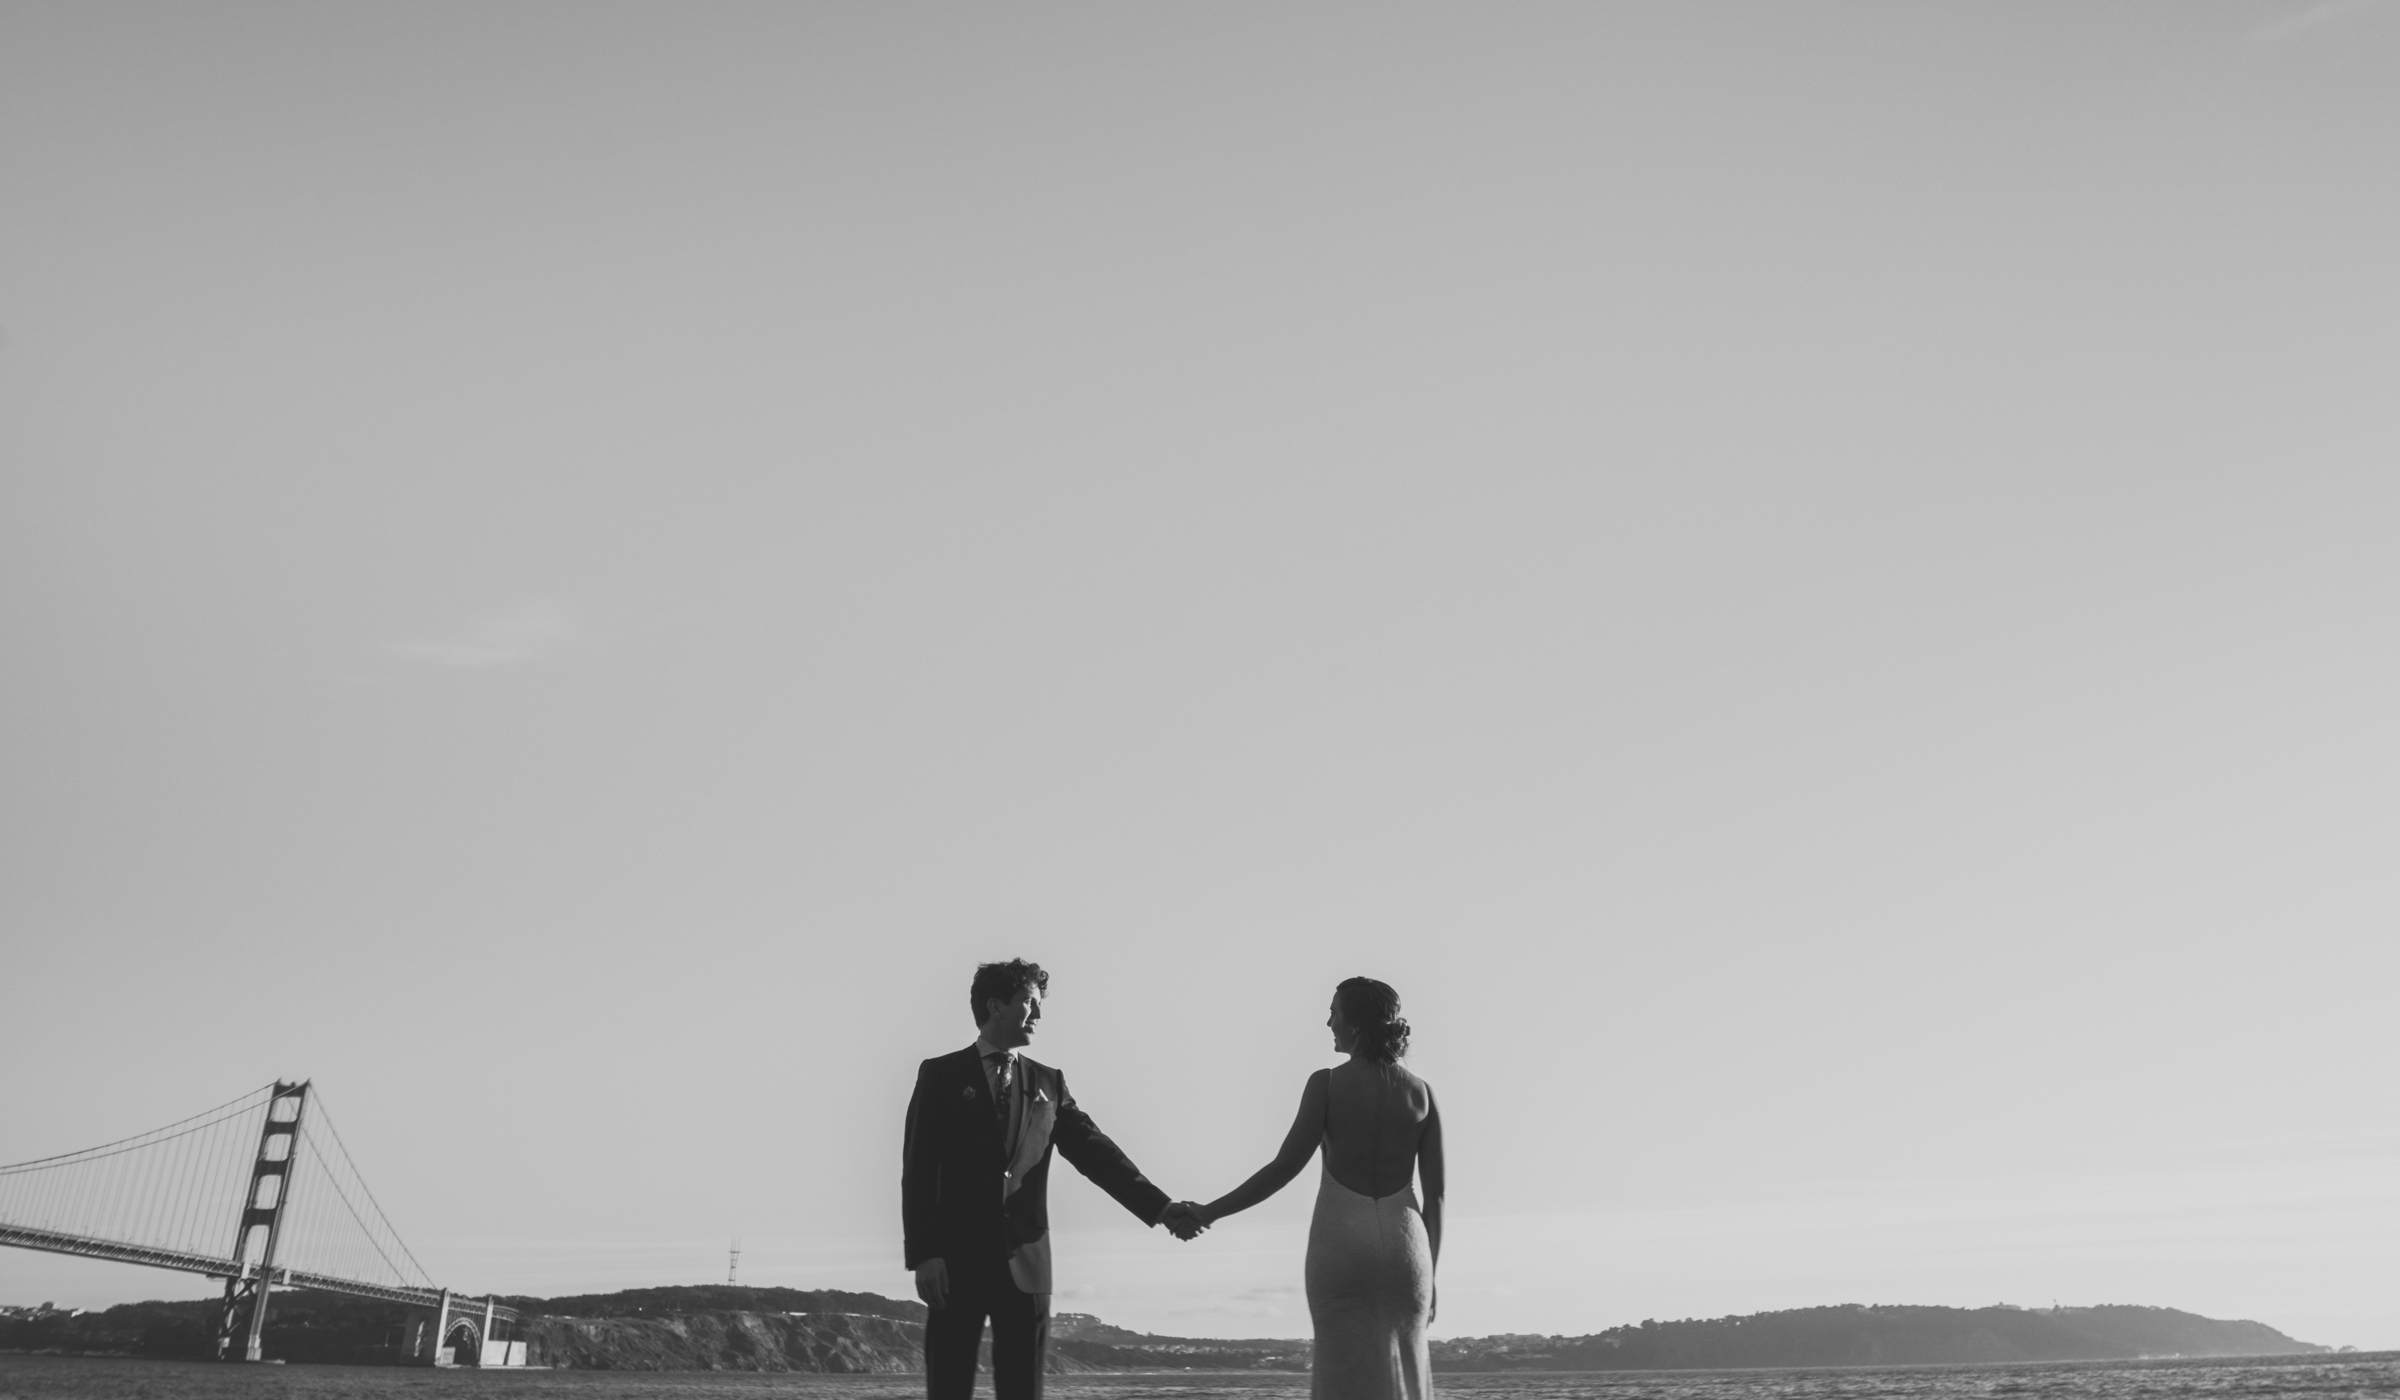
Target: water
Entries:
(2312, 1377)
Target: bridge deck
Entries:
(26, 1237)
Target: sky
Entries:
(1812, 584)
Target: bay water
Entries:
(2315, 1377)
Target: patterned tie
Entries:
(1004, 1073)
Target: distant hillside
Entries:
(650, 1329)
(724, 1328)
(679, 1328)
(1856, 1335)
(1101, 1347)
(302, 1325)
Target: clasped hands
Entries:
(1185, 1220)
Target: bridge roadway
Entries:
(25, 1237)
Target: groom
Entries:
(974, 1189)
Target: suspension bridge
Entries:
(258, 1192)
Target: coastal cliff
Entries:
(737, 1329)
(837, 1343)
(724, 1327)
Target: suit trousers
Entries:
(981, 1288)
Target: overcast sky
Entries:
(1813, 584)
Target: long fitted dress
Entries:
(1370, 1294)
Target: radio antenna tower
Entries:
(733, 1261)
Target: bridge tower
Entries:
(262, 1209)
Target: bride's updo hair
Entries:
(1372, 1009)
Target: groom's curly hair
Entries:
(1005, 980)
(1373, 1010)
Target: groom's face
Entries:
(1009, 1024)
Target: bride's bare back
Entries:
(1374, 1121)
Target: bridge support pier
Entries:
(270, 1186)
(237, 1297)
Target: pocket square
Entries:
(1041, 1096)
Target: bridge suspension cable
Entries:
(334, 1224)
(166, 1189)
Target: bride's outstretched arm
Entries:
(1308, 1126)
(1432, 1172)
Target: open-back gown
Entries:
(1370, 1293)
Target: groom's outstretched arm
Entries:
(1081, 1142)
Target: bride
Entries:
(1371, 1247)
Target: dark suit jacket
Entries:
(964, 1196)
